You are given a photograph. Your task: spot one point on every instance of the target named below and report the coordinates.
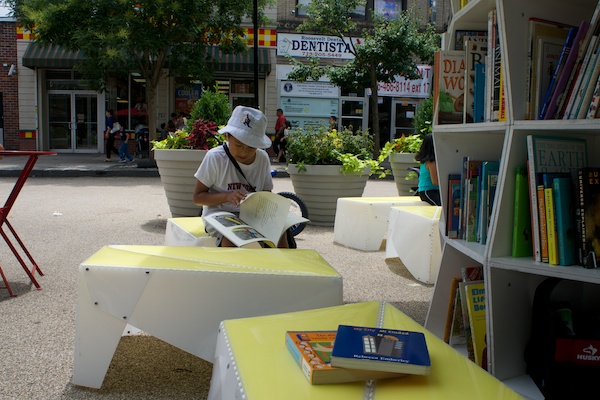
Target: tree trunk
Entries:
(151, 102)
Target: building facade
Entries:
(45, 105)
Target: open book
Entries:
(264, 217)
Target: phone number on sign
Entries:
(321, 54)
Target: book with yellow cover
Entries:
(475, 297)
(312, 351)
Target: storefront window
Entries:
(352, 114)
(358, 13)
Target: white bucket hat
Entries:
(248, 125)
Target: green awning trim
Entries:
(38, 55)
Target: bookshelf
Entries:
(510, 282)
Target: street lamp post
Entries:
(255, 21)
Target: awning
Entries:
(50, 56)
(240, 64)
(225, 65)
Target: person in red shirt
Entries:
(279, 128)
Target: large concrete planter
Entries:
(177, 169)
(320, 186)
(400, 162)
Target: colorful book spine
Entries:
(562, 60)
(565, 220)
(521, 239)
(475, 52)
(587, 223)
(563, 78)
(449, 86)
(542, 218)
(479, 95)
(453, 224)
(550, 227)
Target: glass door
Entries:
(73, 122)
(403, 113)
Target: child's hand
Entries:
(236, 197)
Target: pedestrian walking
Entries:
(124, 153)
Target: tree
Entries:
(382, 49)
(156, 38)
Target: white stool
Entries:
(361, 222)
(181, 294)
(414, 236)
(187, 231)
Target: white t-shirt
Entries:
(219, 174)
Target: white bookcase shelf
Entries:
(510, 282)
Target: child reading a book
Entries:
(429, 190)
(241, 166)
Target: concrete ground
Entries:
(64, 220)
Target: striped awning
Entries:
(50, 56)
(240, 64)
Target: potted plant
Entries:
(180, 154)
(401, 151)
(328, 164)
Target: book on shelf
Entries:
(549, 203)
(521, 238)
(496, 67)
(594, 102)
(264, 217)
(458, 338)
(488, 181)
(549, 30)
(565, 219)
(549, 49)
(381, 349)
(547, 154)
(475, 299)
(470, 274)
(312, 352)
(556, 71)
(472, 200)
(461, 34)
(542, 218)
(563, 77)
(475, 53)
(454, 213)
(571, 97)
(588, 221)
(479, 93)
(449, 86)
(582, 58)
(451, 313)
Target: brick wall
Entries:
(10, 90)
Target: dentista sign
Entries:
(299, 45)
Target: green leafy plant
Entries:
(203, 136)
(211, 106)
(353, 152)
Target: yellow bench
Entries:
(187, 231)
(253, 363)
(181, 294)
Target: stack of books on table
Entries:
(355, 353)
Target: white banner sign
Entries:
(402, 87)
(300, 45)
(308, 89)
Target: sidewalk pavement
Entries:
(84, 164)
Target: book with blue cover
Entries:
(479, 94)
(381, 349)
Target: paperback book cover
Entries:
(312, 352)
(542, 217)
(381, 349)
(588, 223)
(475, 52)
(479, 94)
(475, 296)
(521, 239)
(488, 182)
(551, 154)
(449, 86)
(549, 49)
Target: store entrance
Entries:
(403, 112)
(73, 121)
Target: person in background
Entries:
(333, 124)
(163, 131)
(124, 147)
(219, 185)
(429, 190)
(279, 128)
(109, 135)
(283, 142)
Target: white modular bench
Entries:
(187, 231)
(181, 294)
(414, 236)
(361, 222)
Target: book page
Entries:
(269, 213)
(234, 229)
